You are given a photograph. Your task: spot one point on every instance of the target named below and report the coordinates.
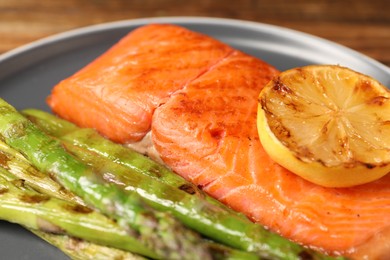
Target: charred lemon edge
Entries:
(315, 172)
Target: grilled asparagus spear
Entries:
(174, 193)
(19, 166)
(158, 231)
(75, 248)
(12, 160)
(41, 212)
(78, 249)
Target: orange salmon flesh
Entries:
(198, 97)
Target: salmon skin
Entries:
(198, 97)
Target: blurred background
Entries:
(363, 25)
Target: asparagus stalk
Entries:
(78, 249)
(18, 165)
(158, 231)
(17, 170)
(86, 249)
(37, 211)
(175, 194)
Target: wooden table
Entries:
(363, 25)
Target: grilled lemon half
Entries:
(328, 124)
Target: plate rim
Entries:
(194, 20)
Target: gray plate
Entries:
(28, 73)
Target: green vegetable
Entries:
(20, 167)
(159, 232)
(78, 249)
(97, 223)
(167, 191)
(84, 250)
(41, 212)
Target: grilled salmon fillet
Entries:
(120, 90)
(198, 97)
